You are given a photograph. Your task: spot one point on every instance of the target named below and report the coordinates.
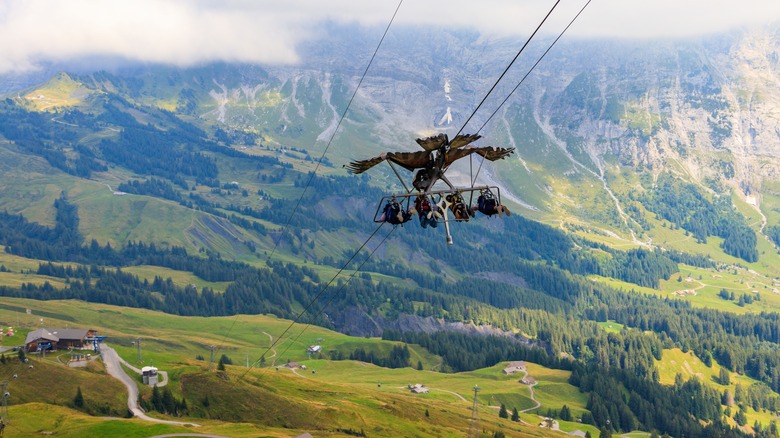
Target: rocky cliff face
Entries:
(711, 106)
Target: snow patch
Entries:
(222, 100)
(446, 119)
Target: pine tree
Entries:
(221, 365)
(515, 415)
(727, 398)
(565, 414)
(157, 404)
(739, 393)
(723, 377)
(168, 402)
(78, 400)
(502, 413)
(740, 417)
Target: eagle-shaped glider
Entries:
(438, 154)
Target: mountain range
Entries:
(643, 185)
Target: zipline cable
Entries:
(322, 157)
(534, 66)
(316, 297)
(474, 180)
(375, 231)
(508, 67)
(335, 130)
(335, 294)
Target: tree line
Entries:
(685, 206)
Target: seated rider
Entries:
(425, 210)
(458, 207)
(395, 214)
(488, 205)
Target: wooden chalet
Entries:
(58, 339)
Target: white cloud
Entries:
(185, 32)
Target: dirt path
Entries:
(164, 374)
(440, 390)
(757, 206)
(451, 392)
(273, 350)
(195, 435)
(531, 389)
(114, 368)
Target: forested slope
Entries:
(529, 284)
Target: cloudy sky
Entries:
(186, 32)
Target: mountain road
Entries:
(114, 368)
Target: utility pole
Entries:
(211, 362)
(474, 427)
(247, 359)
(4, 407)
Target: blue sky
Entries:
(186, 32)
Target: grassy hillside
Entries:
(59, 92)
(223, 181)
(342, 394)
(675, 362)
(51, 381)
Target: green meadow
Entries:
(702, 287)
(346, 392)
(179, 278)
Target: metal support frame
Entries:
(474, 426)
(399, 176)
(4, 407)
(211, 361)
(405, 198)
(438, 175)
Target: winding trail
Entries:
(273, 350)
(195, 435)
(757, 206)
(451, 392)
(531, 389)
(163, 373)
(114, 368)
(54, 119)
(295, 371)
(440, 390)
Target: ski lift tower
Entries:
(4, 407)
(211, 360)
(474, 427)
(137, 343)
